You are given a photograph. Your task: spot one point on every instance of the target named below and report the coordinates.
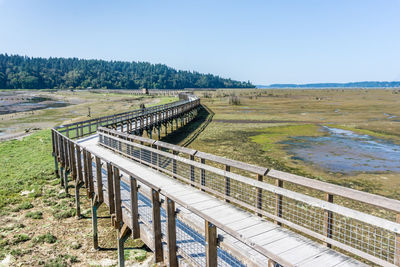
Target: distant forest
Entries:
(334, 85)
(18, 72)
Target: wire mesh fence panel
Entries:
(371, 239)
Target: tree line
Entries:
(22, 72)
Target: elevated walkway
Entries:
(200, 209)
(281, 244)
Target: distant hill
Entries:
(333, 85)
(18, 72)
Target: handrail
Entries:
(188, 151)
(88, 127)
(370, 219)
(206, 177)
(364, 197)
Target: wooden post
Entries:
(77, 131)
(110, 186)
(211, 244)
(90, 174)
(203, 175)
(227, 183)
(397, 244)
(259, 199)
(54, 143)
(85, 168)
(62, 160)
(67, 158)
(122, 235)
(117, 196)
(328, 220)
(79, 163)
(278, 201)
(56, 167)
(73, 161)
(174, 169)
(78, 186)
(95, 206)
(171, 233)
(192, 174)
(67, 165)
(158, 160)
(134, 208)
(158, 250)
(99, 179)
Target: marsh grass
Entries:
(252, 132)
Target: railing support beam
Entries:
(78, 186)
(122, 235)
(171, 233)
(95, 206)
(158, 249)
(211, 244)
(328, 220)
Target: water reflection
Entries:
(345, 151)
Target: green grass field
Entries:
(37, 223)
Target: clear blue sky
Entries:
(297, 41)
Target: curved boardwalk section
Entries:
(193, 208)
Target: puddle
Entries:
(390, 116)
(346, 152)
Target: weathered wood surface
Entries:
(220, 211)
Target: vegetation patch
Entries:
(270, 136)
(62, 214)
(23, 206)
(44, 238)
(63, 210)
(37, 215)
(60, 260)
(19, 238)
(138, 255)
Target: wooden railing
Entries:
(374, 238)
(89, 127)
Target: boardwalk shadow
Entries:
(200, 121)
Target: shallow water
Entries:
(10, 105)
(346, 152)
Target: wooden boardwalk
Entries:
(193, 208)
(291, 247)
